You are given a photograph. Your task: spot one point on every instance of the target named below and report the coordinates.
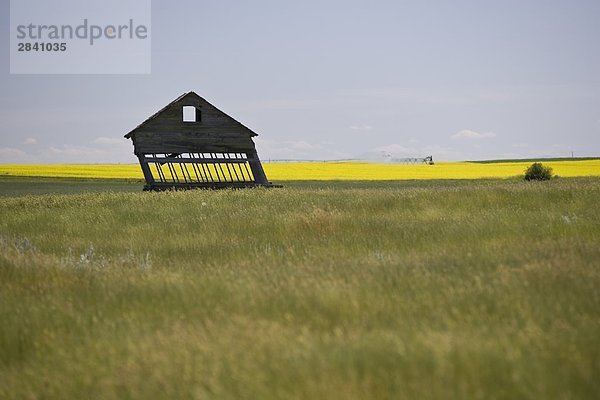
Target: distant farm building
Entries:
(192, 144)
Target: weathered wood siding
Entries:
(151, 142)
(182, 153)
(166, 132)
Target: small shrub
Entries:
(538, 172)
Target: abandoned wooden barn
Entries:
(192, 144)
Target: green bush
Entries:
(538, 172)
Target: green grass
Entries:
(20, 186)
(467, 289)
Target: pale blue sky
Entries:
(336, 79)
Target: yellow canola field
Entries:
(327, 170)
(442, 170)
(100, 171)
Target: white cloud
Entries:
(107, 141)
(296, 150)
(363, 127)
(520, 145)
(30, 141)
(397, 150)
(68, 153)
(12, 155)
(72, 150)
(302, 145)
(468, 134)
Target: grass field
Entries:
(279, 172)
(447, 289)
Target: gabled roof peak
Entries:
(193, 94)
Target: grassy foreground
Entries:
(472, 290)
(279, 172)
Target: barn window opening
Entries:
(190, 114)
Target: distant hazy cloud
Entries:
(67, 153)
(397, 150)
(467, 134)
(10, 155)
(296, 150)
(106, 141)
(30, 141)
(361, 127)
(302, 145)
(89, 154)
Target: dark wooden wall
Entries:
(214, 140)
(216, 132)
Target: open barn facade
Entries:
(192, 144)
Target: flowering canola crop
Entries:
(327, 170)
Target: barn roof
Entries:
(193, 94)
